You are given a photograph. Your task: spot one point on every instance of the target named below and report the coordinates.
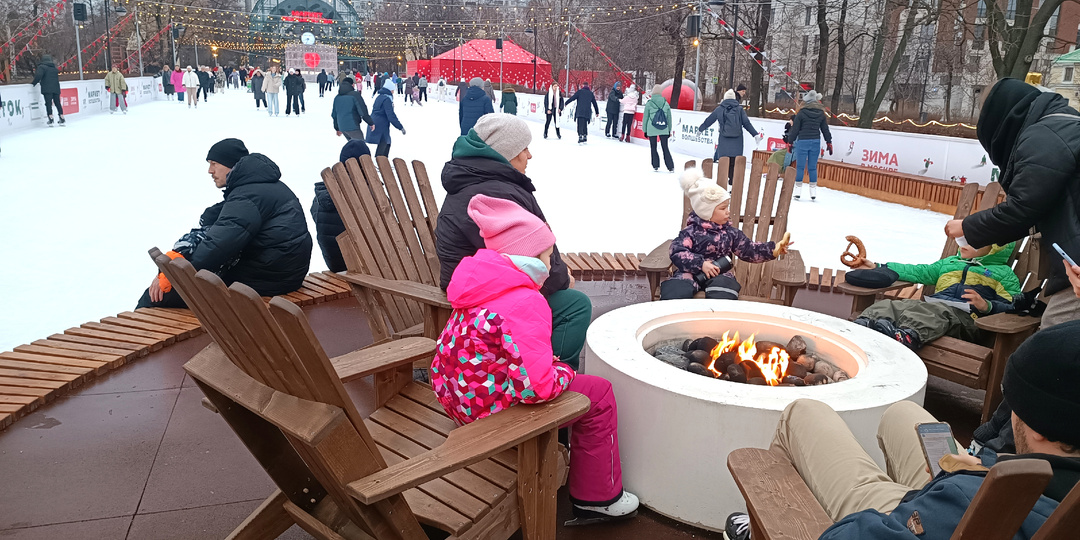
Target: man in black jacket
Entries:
(585, 99)
(258, 235)
(613, 105)
(491, 160)
(49, 77)
(1034, 138)
(204, 83)
(294, 88)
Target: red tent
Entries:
(480, 58)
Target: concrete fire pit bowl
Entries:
(677, 428)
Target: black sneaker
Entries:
(50, 121)
(908, 338)
(737, 527)
(885, 326)
(864, 321)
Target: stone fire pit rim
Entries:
(891, 372)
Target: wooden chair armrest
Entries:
(790, 270)
(852, 290)
(1007, 323)
(469, 444)
(425, 294)
(377, 358)
(778, 501)
(658, 260)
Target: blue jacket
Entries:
(475, 104)
(943, 502)
(382, 111)
(346, 113)
(585, 98)
(731, 119)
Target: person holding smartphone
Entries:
(1034, 138)
(906, 502)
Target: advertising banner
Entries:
(22, 106)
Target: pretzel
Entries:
(853, 260)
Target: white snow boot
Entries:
(625, 507)
(813, 191)
(798, 191)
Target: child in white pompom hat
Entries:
(703, 253)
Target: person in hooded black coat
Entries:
(1034, 138)
(259, 237)
(328, 223)
(48, 76)
(473, 105)
(586, 99)
(613, 106)
(294, 88)
(321, 79)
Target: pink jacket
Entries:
(629, 102)
(495, 351)
(178, 80)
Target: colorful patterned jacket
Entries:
(495, 351)
(704, 240)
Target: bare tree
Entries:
(1013, 46)
(895, 10)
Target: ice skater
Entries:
(382, 112)
(553, 108)
(656, 123)
(117, 87)
(731, 120)
(611, 130)
(272, 86)
(257, 88)
(586, 104)
(809, 125)
(191, 85)
(48, 76)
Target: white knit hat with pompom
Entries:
(705, 195)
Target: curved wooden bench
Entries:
(38, 372)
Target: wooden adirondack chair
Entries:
(389, 244)
(754, 213)
(343, 476)
(781, 506)
(970, 364)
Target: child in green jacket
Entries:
(972, 284)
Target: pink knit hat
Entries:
(509, 228)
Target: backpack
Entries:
(659, 120)
(731, 123)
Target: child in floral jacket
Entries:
(703, 251)
(495, 352)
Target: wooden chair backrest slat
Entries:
(276, 349)
(420, 233)
(430, 205)
(398, 213)
(1004, 500)
(1065, 521)
(761, 274)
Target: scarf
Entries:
(1010, 108)
(553, 95)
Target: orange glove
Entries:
(163, 281)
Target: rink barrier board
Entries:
(34, 374)
(888, 186)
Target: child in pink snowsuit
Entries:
(495, 352)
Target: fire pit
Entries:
(751, 361)
(671, 418)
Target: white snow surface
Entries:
(82, 204)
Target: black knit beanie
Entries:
(227, 152)
(1040, 382)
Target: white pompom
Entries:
(690, 177)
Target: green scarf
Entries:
(472, 145)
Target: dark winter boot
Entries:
(62, 121)
(885, 326)
(50, 122)
(908, 338)
(865, 322)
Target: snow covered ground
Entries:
(82, 204)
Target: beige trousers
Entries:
(841, 475)
(1062, 306)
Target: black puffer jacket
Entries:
(811, 124)
(585, 99)
(263, 222)
(613, 101)
(48, 76)
(457, 235)
(294, 84)
(328, 225)
(1040, 175)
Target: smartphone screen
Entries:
(937, 441)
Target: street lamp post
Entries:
(78, 42)
(568, 24)
(138, 38)
(734, 33)
(533, 32)
(108, 39)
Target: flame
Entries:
(773, 363)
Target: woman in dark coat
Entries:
(611, 130)
(1034, 137)
(49, 77)
(166, 81)
(348, 112)
(474, 104)
(583, 114)
(732, 120)
(382, 112)
(257, 88)
(809, 125)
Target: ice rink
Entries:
(82, 204)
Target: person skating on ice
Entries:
(656, 123)
(117, 87)
(611, 130)
(586, 105)
(553, 108)
(731, 120)
(809, 126)
(48, 77)
(628, 106)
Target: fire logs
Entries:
(751, 362)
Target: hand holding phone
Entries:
(1064, 255)
(937, 441)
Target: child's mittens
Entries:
(782, 246)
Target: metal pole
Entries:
(697, 62)
(501, 69)
(534, 53)
(108, 39)
(734, 33)
(78, 43)
(138, 38)
(172, 40)
(568, 23)
(195, 45)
